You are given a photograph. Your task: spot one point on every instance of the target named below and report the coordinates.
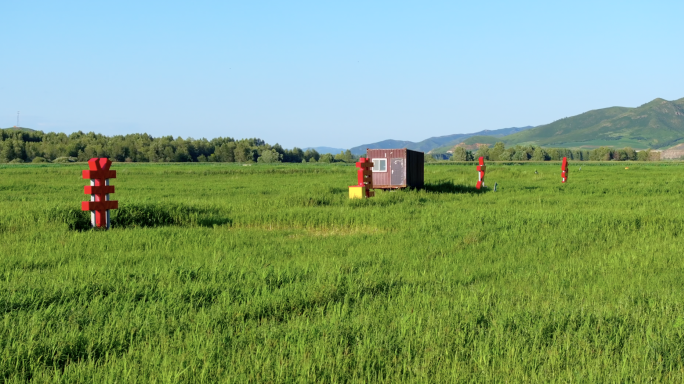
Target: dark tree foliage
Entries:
(20, 146)
(535, 153)
(35, 146)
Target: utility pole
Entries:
(17, 120)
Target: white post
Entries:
(107, 199)
(92, 213)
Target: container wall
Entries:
(415, 169)
(383, 179)
(410, 166)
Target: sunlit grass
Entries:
(218, 272)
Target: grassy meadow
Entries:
(269, 273)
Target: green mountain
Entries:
(481, 140)
(439, 144)
(19, 129)
(658, 124)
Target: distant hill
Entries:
(657, 124)
(676, 153)
(323, 150)
(439, 144)
(19, 129)
(474, 142)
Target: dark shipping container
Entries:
(397, 168)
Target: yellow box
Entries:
(356, 192)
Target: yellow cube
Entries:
(357, 192)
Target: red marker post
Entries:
(481, 173)
(564, 169)
(99, 190)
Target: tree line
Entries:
(19, 146)
(499, 152)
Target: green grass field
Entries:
(227, 273)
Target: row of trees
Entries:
(35, 146)
(499, 152)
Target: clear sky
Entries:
(325, 73)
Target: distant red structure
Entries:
(99, 190)
(365, 180)
(481, 173)
(564, 169)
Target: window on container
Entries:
(379, 165)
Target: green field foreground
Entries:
(228, 273)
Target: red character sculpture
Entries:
(99, 190)
(564, 169)
(480, 173)
(365, 180)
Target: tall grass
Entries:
(217, 272)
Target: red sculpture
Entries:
(365, 180)
(99, 190)
(480, 173)
(564, 168)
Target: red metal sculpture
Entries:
(480, 173)
(564, 168)
(99, 190)
(365, 180)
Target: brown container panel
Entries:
(396, 168)
(381, 178)
(415, 169)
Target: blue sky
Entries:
(336, 74)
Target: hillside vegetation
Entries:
(658, 124)
(439, 144)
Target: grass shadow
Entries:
(143, 216)
(448, 186)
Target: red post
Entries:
(481, 173)
(564, 169)
(99, 190)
